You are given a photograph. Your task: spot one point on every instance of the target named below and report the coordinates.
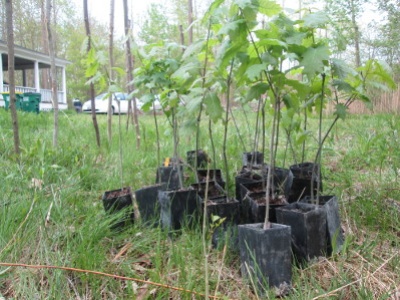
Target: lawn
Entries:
(51, 213)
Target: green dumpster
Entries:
(6, 98)
(31, 101)
(25, 102)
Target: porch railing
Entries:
(46, 94)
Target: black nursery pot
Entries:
(308, 223)
(169, 175)
(252, 159)
(213, 189)
(115, 201)
(334, 234)
(213, 175)
(266, 256)
(225, 208)
(283, 179)
(147, 202)
(178, 208)
(303, 178)
(257, 206)
(245, 176)
(228, 209)
(202, 158)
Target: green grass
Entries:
(361, 165)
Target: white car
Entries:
(119, 104)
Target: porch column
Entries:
(64, 85)
(1, 74)
(37, 77)
(24, 79)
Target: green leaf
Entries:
(213, 106)
(212, 8)
(256, 91)
(303, 137)
(316, 20)
(314, 60)
(341, 111)
(269, 8)
(244, 3)
(341, 69)
(343, 86)
(193, 105)
(231, 27)
(193, 49)
(271, 42)
(254, 71)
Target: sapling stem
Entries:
(228, 96)
(318, 161)
(198, 120)
(271, 168)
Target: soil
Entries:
(118, 193)
(277, 200)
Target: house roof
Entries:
(25, 58)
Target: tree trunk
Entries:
(356, 35)
(11, 74)
(87, 26)
(44, 74)
(129, 72)
(53, 72)
(190, 20)
(111, 65)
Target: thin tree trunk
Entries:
(11, 74)
(111, 65)
(45, 43)
(53, 72)
(182, 37)
(356, 35)
(129, 72)
(93, 105)
(190, 19)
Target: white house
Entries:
(30, 63)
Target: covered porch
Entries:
(31, 70)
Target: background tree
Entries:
(111, 72)
(345, 15)
(129, 72)
(10, 46)
(89, 48)
(53, 73)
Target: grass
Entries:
(51, 214)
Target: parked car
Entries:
(119, 104)
(77, 105)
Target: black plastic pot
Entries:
(147, 201)
(254, 158)
(282, 179)
(115, 201)
(266, 256)
(212, 188)
(202, 158)
(225, 208)
(257, 206)
(213, 175)
(169, 175)
(245, 176)
(308, 223)
(304, 175)
(334, 234)
(178, 208)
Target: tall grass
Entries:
(51, 213)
